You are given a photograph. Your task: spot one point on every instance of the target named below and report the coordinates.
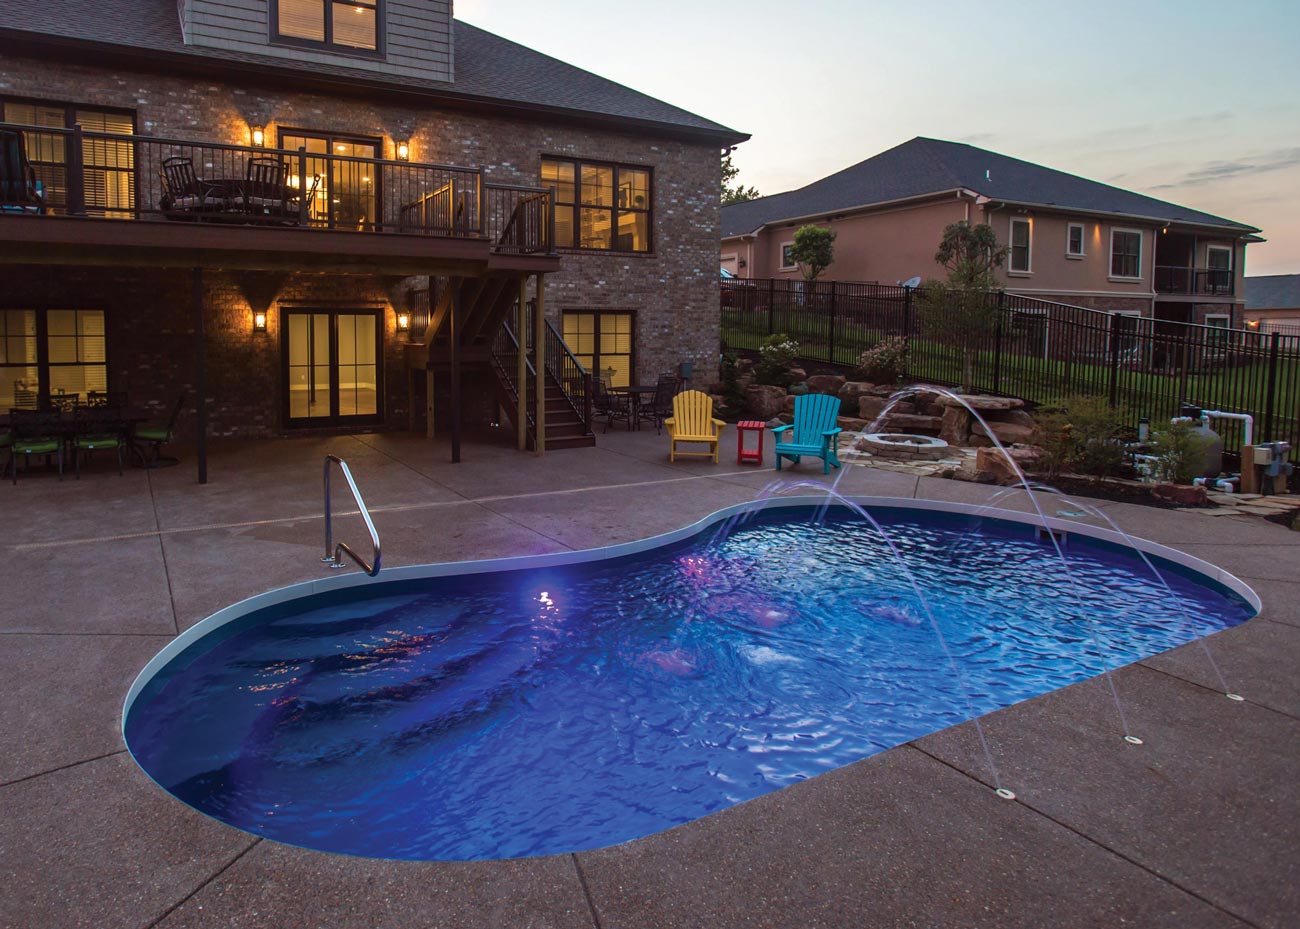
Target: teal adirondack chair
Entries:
(814, 432)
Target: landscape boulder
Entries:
(763, 401)
(993, 462)
(826, 383)
(954, 427)
(1183, 494)
(1007, 433)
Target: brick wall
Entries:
(674, 292)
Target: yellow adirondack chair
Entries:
(692, 421)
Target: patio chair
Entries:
(609, 402)
(155, 437)
(813, 433)
(35, 432)
(20, 191)
(693, 421)
(660, 406)
(185, 194)
(94, 431)
(268, 194)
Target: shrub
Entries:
(884, 362)
(776, 355)
(1083, 435)
(733, 396)
(1180, 452)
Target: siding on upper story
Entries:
(417, 36)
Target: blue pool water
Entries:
(554, 710)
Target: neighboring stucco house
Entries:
(317, 214)
(1070, 239)
(1273, 303)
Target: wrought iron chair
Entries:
(269, 195)
(146, 438)
(185, 194)
(35, 432)
(660, 406)
(97, 427)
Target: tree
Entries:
(813, 250)
(961, 311)
(733, 192)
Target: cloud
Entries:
(1276, 160)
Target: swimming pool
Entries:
(538, 706)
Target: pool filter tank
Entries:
(1212, 458)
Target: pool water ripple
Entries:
(561, 709)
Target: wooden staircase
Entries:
(486, 339)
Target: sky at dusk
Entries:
(1193, 102)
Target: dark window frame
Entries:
(334, 419)
(379, 53)
(70, 122)
(577, 205)
(331, 139)
(43, 363)
(598, 312)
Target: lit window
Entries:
(1019, 245)
(46, 353)
(1126, 253)
(346, 24)
(604, 207)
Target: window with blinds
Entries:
(109, 163)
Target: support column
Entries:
(200, 375)
(428, 401)
(453, 333)
(539, 359)
(521, 376)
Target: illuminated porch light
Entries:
(404, 151)
(259, 136)
(259, 322)
(403, 322)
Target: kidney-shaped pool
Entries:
(538, 706)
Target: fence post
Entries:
(76, 173)
(997, 343)
(830, 342)
(1116, 322)
(771, 303)
(1269, 401)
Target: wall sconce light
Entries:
(259, 322)
(259, 136)
(404, 151)
(403, 322)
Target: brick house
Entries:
(325, 215)
(1071, 240)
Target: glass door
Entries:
(347, 196)
(332, 368)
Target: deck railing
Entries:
(117, 176)
(1210, 282)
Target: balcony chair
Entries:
(155, 437)
(269, 196)
(185, 194)
(815, 432)
(693, 421)
(35, 432)
(20, 191)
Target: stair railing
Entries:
(504, 355)
(568, 372)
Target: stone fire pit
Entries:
(903, 447)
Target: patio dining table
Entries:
(634, 395)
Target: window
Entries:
(348, 195)
(109, 165)
(50, 352)
(1218, 263)
(332, 366)
(1074, 240)
(787, 259)
(346, 25)
(1126, 253)
(1020, 229)
(603, 207)
(602, 341)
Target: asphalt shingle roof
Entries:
(1273, 292)
(925, 166)
(488, 67)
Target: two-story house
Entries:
(309, 214)
(1069, 239)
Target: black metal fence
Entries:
(1040, 351)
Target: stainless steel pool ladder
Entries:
(335, 558)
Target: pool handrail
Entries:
(335, 558)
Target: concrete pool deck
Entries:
(1199, 826)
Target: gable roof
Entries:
(1272, 292)
(490, 71)
(932, 166)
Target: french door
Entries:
(347, 196)
(332, 367)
